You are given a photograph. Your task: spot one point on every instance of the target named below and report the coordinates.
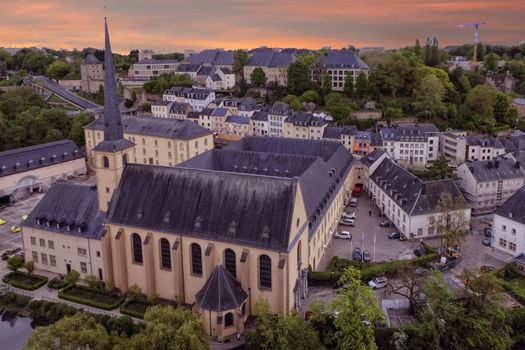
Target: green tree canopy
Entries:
(310, 96)
(58, 70)
(491, 62)
(480, 100)
(337, 106)
(240, 58)
(159, 84)
(361, 85)
(293, 101)
(439, 169)
(258, 77)
(298, 78)
(429, 94)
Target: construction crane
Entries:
(476, 35)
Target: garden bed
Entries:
(137, 307)
(90, 297)
(24, 280)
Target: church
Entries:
(218, 232)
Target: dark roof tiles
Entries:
(514, 207)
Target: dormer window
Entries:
(38, 221)
(79, 229)
(68, 228)
(48, 223)
(58, 226)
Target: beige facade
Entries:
(278, 75)
(59, 253)
(150, 149)
(453, 146)
(296, 131)
(92, 76)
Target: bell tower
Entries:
(112, 154)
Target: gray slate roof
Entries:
(484, 141)
(490, 170)
(304, 119)
(239, 208)
(237, 119)
(260, 116)
(38, 156)
(414, 195)
(190, 93)
(91, 59)
(221, 292)
(372, 157)
(341, 59)
(188, 68)
(409, 132)
(68, 204)
(514, 207)
(162, 127)
(154, 61)
(271, 59)
(213, 57)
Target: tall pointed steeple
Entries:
(113, 132)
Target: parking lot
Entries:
(368, 235)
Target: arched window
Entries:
(229, 262)
(265, 271)
(105, 162)
(165, 254)
(136, 245)
(228, 320)
(125, 158)
(196, 259)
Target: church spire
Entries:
(113, 133)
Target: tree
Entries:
(293, 101)
(262, 336)
(337, 106)
(310, 96)
(293, 332)
(30, 266)
(417, 48)
(451, 223)
(392, 113)
(502, 109)
(361, 85)
(92, 281)
(58, 70)
(491, 62)
(72, 277)
(327, 84)
(153, 298)
(298, 78)
(134, 291)
(15, 262)
(80, 331)
(258, 77)
(76, 132)
(440, 169)
(240, 58)
(408, 284)
(109, 286)
(349, 86)
(171, 328)
(358, 309)
(480, 100)
(429, 94)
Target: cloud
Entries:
(169, 25)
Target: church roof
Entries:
(91, 59)
(113, 132)
(221, 292)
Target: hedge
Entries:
(389, 269)
(130, 312)
(57, 284)
(63, 294)
(39, 281)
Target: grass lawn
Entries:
(518, 283)
(90, 297)
(24, 280)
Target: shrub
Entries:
(30, 266)
(15, 262)
(72, 277)
(121, 325)
(92, 281)
(9, 297)
(103, 301)
(34, 304)
(57, 284)
(24, 280)
(22, 300)
(134, 291)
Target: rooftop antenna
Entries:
(476, 36)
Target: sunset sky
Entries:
(171, 25)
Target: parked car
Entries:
(354, 202)
(2, 221)
(366, 256)
(488, 232)
(357, 254)
(486, 242)
(24, 217)
(15, 229)
(419, 252)
(384, 223)
(343, 235)
(378, 283)
(394, 235)
(347, 222)
(350, 215)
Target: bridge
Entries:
(43, 84)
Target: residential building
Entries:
(519, 103)
(220, 79)
(218, 120)
(34, 168)
(190, 69)
(91, 74)
(148, 68)
(300, 125)
(160, 141)
(259, 122)
(413, 145)
(214, 57)
(245, 106)
(338, 64)
(508, 229)
(235, 128)
(170, 109)
(484, 148)
(274, 63)
(488, 183)
(459, 62)
(453, 146)
(411, 204)
(198, 99)
(64, 231)
(277, 114)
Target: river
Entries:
(14, 331)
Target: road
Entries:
(66, 94)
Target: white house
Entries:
(221, 79)
(409, 202)
(198, 99)
(277, 114)
(259, 123)
(488, 183)
(509, 225)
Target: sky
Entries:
(175, 25)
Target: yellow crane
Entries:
(476, 36)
